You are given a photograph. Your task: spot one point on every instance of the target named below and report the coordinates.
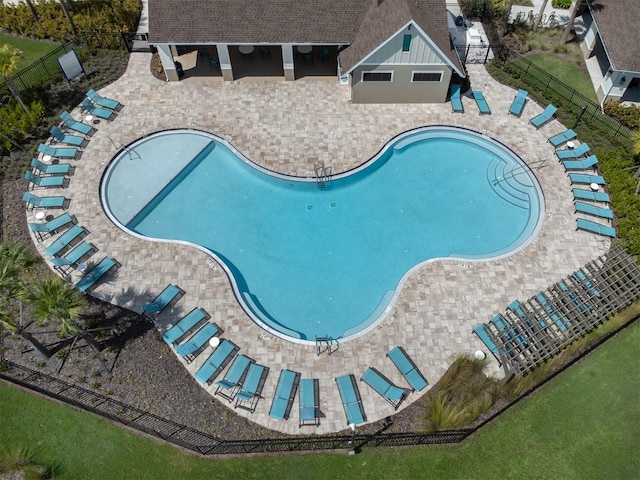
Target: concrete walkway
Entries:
(289, 126)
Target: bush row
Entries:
(627, 115)
(18, 124)
(91, 17)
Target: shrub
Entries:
(17, 124)
(99, 23)
(627, 115)
(561, 3)
(477, 8)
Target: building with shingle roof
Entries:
(395, 51)
(611, 47)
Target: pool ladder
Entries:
(323, 175)
(120, 146)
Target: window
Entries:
(406, 43)
(377, 76)
(426, 77)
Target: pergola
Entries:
(531, 332)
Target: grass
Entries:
(567, 73)
(32, 50)
(583, 424)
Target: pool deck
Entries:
(289, 127)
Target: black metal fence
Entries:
(46, 69)
(202, 442)
(572, 102)
(207, 444)
(43, 70)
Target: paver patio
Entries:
(288, 127)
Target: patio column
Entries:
(225, 62)
(166, 57)
(287, 61)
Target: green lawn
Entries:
(32, 50)
(583, 424)
(565, 72)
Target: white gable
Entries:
(422, 51)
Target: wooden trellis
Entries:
(533, 331)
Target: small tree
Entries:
(9, 61)
(54, 300)
(16, 262)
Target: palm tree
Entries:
(16, 262)
(65, 10)
(9, 61)
(32, 8)
(572, 16)
(540, 13)
(53, 299)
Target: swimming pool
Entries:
(306, 261)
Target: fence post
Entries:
(584, 108)
(487, 55)
(45, 67)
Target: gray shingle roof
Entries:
(361, 23)
(618, 24)
(384, 20)
(263, 21)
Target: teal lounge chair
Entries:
(189, 349)
(61, 137)
(249, 394)
(505, 327)
(580, 277)
(579, 194)
(517, 308)
(101, 101)
(563, 137)
(383, 386)
(483, 106)
(544, 117)
(232, 381)
(483, 334)
(285, 394)
(43, 202)
(54, 169)
(72, 124)
(351, 401)
(568, 293)
(309, 402)
(409, 371)
(91, 109)
(518, 103)
(593, 210)
(572, 153)
(456, 102)
(561, 323)
(57, 152)
(77, 253)
(161, 301)
(590, 162)
(44, 182)
(64, 240)
(184, 325)
(216, 362)
(95, 274)
(586, 179)
(52, 225)
(596, 228)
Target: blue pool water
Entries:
(306, 261)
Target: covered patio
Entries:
(255, 61)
